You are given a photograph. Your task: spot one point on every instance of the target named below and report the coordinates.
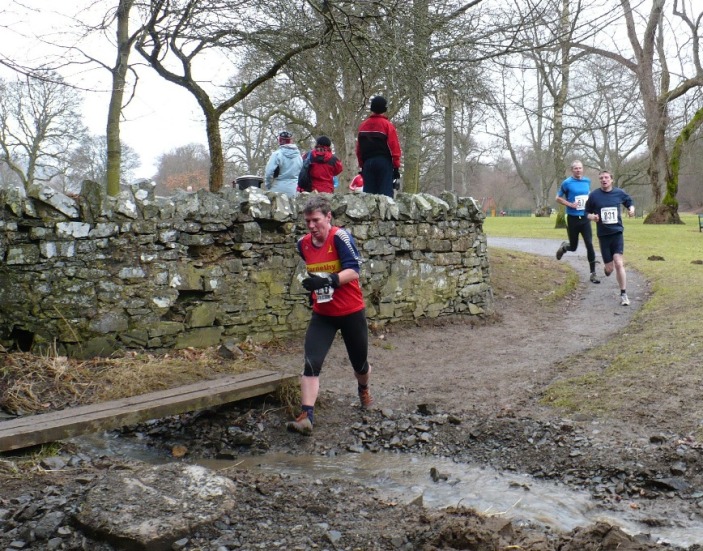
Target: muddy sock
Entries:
(362, 387)
(310, 410)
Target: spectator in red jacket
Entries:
(324, 166)
(378, 150)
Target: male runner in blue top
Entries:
(573, 193)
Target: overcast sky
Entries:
(161, 117)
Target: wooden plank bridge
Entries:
(32, 430)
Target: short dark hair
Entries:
(323, 141)
(317, 202)
(378, 105)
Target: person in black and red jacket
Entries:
(324, 166)
(333, 264)
(378, 150)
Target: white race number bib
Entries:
(580, 201)
(326, 293)
(609, 215)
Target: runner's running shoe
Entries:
(301, 425)
(365, 398)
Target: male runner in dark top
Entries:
(603, 207)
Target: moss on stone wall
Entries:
(94, 274)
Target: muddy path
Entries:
(490, 367)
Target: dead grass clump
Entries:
(37, 384)
(288, 395)
(32, 384)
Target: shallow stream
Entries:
(405, 477)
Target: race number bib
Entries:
(580, 201)
(609, 215)
(326, 293)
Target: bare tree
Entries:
(246, 129)
(117, 16)
(557, 79)
(89, 161)
(608, 112)
(542, 100)
(250, 128)
(443, 36)
(468, 154)
(69, 50)
(40, 122)
(326, 90)
(179, 34)
(124, 43)
(186, 167)
(422, 30)
(522, 98)
(650, 65)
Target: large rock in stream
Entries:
(153, 507)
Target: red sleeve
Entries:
(337, 168)
(394, 145)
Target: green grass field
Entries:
(663, 345)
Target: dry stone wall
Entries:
(89, 275)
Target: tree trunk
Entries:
(119, 74)
(214, 142)
(449, 143)
(658, 168)
(559, 103)
(667, 212)
(655, 104)
(413, 129)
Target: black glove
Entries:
(313, 283)
(396, 174)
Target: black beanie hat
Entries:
(324, 141)
(379, 104)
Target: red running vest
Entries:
(347, 298)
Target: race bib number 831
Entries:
(609, 215)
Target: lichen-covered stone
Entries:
(199, 338)
(202, 315)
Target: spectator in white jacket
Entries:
(282, 170)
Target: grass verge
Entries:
(653, 368)
(515, 273)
